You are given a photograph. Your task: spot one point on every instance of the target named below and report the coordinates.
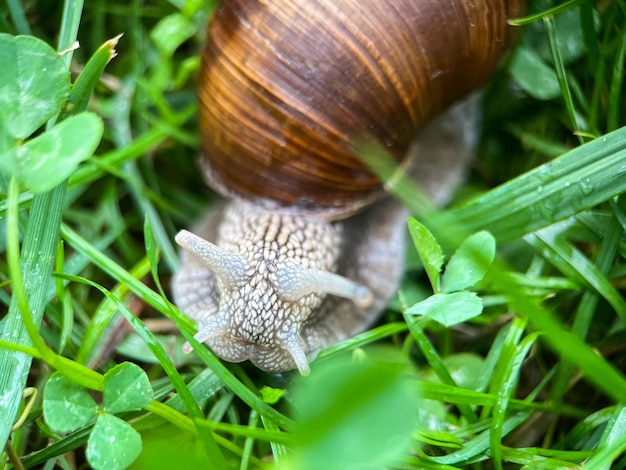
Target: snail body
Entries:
(307, 251)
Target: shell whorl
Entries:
(287, 87)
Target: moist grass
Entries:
(522, 367)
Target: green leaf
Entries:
(44, 162)
(126, 388)
(466, 370)
(34, 84)
(113, 444)
(272, 395)
(469, 263)
(355, 414)
(449, 309)
(428, 249)
(67, 406)
(168, 447)
(171, 32)
(88, 79)
(536, 77)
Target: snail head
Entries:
(272, 271)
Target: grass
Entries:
(536, 379)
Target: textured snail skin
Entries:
(289, 265)
(253, 321)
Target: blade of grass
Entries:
(19, 17)
(548, 21)
(568, 345)
(279, 450)
(587, 306)
(533, 458)
(253, 422)
(617, 81)
(38, 249)
(577, 181)
(505, 388)
(435, 361)
(604, 457)
(573, 263)
(478, 445)
(590, 38)
(550, 12)
(613, 439)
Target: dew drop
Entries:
(587, 186)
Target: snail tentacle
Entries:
(230, 268)
(208, 330)
(293, 345)
(295, 281)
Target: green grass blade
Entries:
(568, 345)
(541, 15)
(559, 67)
(580, 179)
(37, 257)
(589, 301)
(573, 263)
(480, 444)
(506, 388)
(435, 361)
(19, 17)
(617, 83)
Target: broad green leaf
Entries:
(171, 32)
(272, 395)
(428, 249)
(465, 368)
(126, 388)
(44, 162)
(355, 414)
(449, 309)
(469, 263)
(113, 444)
(67, 406)
(536, 77)
(168, 447)
(34, 84)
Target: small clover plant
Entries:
(113, 443)
(34, 87)
(452, 301)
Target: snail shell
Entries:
(286, 88)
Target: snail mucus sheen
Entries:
(306, 250)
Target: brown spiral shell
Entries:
(287, 85)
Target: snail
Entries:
(308, 248)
